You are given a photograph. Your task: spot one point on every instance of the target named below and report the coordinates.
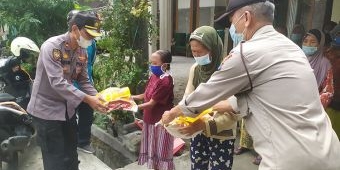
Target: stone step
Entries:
(31, 159)
(181, 162)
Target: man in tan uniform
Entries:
(276, 87)
(62, 61)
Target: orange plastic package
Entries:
(118, 99)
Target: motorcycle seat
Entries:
(5, 97)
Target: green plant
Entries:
(36, 19)
(127, 28)
(101, 120)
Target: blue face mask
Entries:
(236, 37)
(296, 38)
(309, 50)
(156, 70)
(203, 60)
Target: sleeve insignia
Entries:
(56, 54)
(65, 56)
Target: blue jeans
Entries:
(85, 120)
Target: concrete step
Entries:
(31, 159)
(181, 163)
(241, 162)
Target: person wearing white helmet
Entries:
(20, 43)
(18, 80)
(22, 47)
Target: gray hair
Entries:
(263, 10)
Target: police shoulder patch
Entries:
(56, 54)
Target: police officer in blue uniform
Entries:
(62, 61)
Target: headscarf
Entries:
(319, 63)
(210, 39)
(297, 33)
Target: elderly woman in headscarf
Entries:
(214, 147)
(313, 46)
(297, 33)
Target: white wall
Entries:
(207, 3)
(182, 4)
(336, 11)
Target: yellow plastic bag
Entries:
(185, 120)
(118, 99)
(113, 93)
(174, 126)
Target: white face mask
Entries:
(82, 42)
(203, 60)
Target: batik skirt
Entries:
(156, 148)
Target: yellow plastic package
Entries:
(118, 99)
(181, 121)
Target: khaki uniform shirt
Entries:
(219, 125)
(58, 66)
(289, 126)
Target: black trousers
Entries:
(85, 120)
(58, 142)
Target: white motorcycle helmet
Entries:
(19, 43)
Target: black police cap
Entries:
(87, 20)
(234, 5)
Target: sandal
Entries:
(240, 150)
(257, 160)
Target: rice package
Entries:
(183, 121)
(118, 99)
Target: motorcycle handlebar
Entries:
(18, 112)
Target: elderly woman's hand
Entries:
(168, 116)
(198, 125)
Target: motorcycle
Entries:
(16, 129)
